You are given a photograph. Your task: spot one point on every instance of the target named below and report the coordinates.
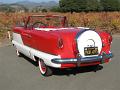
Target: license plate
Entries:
(91, 51)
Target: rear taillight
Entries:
(110, 39)
(106, 41)
(75, 48)
(60, 43)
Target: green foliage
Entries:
(89, 5)
(44, 10)
(55, 9)
(6, 8)
(93, 5)
(37, 9)
(12, 8)
(110, 5)
(72, 5)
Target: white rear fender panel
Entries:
(18, 43)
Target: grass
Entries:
(106, 21)
(3, 34)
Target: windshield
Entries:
(46, 21)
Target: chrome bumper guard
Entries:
(100, 58)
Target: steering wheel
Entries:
(39, 25)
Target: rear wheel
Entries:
(44, 70)
(96, 68)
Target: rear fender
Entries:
(106, 42)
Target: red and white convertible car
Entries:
(48, 40)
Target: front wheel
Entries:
(44, 70)
(19, 54)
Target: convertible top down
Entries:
(48, 40)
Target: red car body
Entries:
(58, 46)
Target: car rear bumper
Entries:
(100, 58)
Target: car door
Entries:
(26, 37)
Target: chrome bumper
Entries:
(100, 58)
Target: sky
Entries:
(12, 1)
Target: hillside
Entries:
(1, 3)
(26, 5)
(30, 5)
(12, 8)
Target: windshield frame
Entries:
(63, 20)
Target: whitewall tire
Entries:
(44, 70)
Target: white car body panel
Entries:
(31, 53)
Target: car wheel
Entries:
(96, 68)
(18, 53)
(44, 70)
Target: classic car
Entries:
(48, 40)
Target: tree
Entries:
(44, 10)
(73, 5)
(37, 9)
(67, 5)
(79, 5)
(110, 5)
(93, 5)
(6, 8)
(55, 9)
(89, 5)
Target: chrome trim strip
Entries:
(100, 58)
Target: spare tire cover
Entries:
(88, 38)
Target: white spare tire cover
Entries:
(88, 38)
